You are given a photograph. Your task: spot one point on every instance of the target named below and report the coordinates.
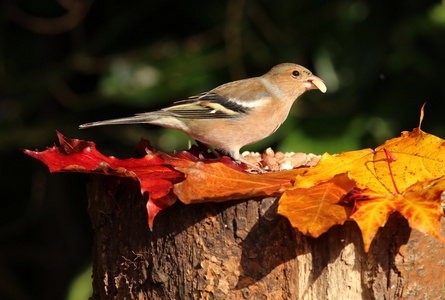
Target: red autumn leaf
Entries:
(155, 205)
(153, 174)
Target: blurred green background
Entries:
(67, 62)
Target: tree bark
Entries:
(244, 250)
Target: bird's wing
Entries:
(227, 101)
(206, 106)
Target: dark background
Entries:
(70, 62)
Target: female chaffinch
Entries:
(234, 114)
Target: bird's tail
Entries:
(137, 119)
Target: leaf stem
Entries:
(390, 158)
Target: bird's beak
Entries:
(313, 82)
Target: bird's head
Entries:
(292, 80)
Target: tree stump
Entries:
(244, 250)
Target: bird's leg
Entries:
(235, 157)
(217, 155)
(255, 167)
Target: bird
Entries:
(234, 114)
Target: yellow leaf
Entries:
(421, 206)
(419, 155)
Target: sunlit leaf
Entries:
(314, 210)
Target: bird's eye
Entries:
(295, 73)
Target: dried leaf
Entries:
(420, 204)
(217, 182)
(419, 155)
(153, 174)
(316, 209)
(387, 180)
(371, 211)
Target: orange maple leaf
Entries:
(316, 209)
(371, 211)
(217, 182)
(420, 204)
